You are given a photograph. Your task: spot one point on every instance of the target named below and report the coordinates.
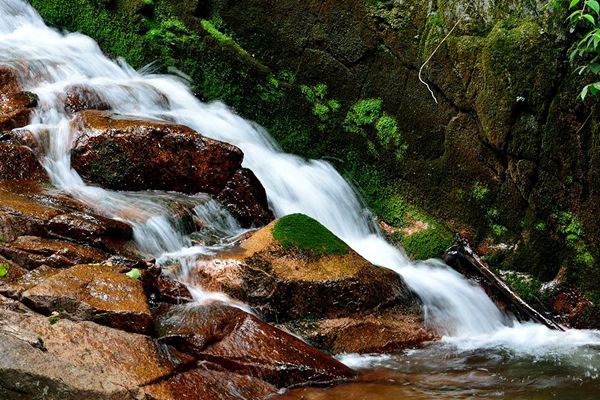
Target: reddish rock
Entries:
(202, 384)
(74, 361)
(82, 97)
(14, 286)
(384, 332)
(90, 228)
(164, 288)
(32, 252)
(174, 157)
(246, 199)
(94, 293)
(286, 284)
(16, 109)
(20, 163)
(9, 80)
(244, 344)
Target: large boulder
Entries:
(295, 268)
(244, 344)
(298, 274)
(95, 293)
(175, 158)
(72, 361)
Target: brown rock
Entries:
(89, 228)
(20, 163)
(9, 80)
(385, 332)
(174, 157)
(244, 344)
(164, 288)
(285, 284)
(201, 384)
(16, 109)
(32, 252)
(82, 97)
(246, 199)
(94, 293)
(14, 286)
(73, 361)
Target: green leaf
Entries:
(590, 18)
(593, 4)
(134, 273)
(584, 92)
(574, 3)
(4, 270)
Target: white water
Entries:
(49, 61)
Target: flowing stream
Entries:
(49, 61)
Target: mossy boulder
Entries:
(295, 271)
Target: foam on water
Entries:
(49, 61)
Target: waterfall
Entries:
(49, 61)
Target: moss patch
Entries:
(297, 231)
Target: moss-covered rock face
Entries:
(507, 118)
(302, 233)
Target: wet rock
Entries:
(73, 361)
(244, 344)
(246, 199)
(174, 157)
(94, 293)
(20, 163)
(385, 332)
(16, 109)
(89, 228)
(82, 97)
(14, 286)
(32, 252)
(9, 80)
(164, 288)
(202, 384)
(286, 283)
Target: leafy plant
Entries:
(134, 273)
(585, 15)
(366, 117)
(322, 106)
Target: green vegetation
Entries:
(526, 286)
(367, 119)
(322, 107)
(429, 243)
(299, 232)
(4, 270)
(585, 17)
(134, 273)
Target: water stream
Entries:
(49, 61)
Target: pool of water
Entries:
(447, 371)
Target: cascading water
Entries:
(49, 61)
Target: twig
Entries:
(431, 56)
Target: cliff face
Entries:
(509, 154)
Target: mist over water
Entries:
(48, 62)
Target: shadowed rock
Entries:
(244, 344)
(20, 163)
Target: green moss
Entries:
(111, 165)
(4, 270)
(299, 232)
(429, 243)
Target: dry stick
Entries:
(431, 56)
